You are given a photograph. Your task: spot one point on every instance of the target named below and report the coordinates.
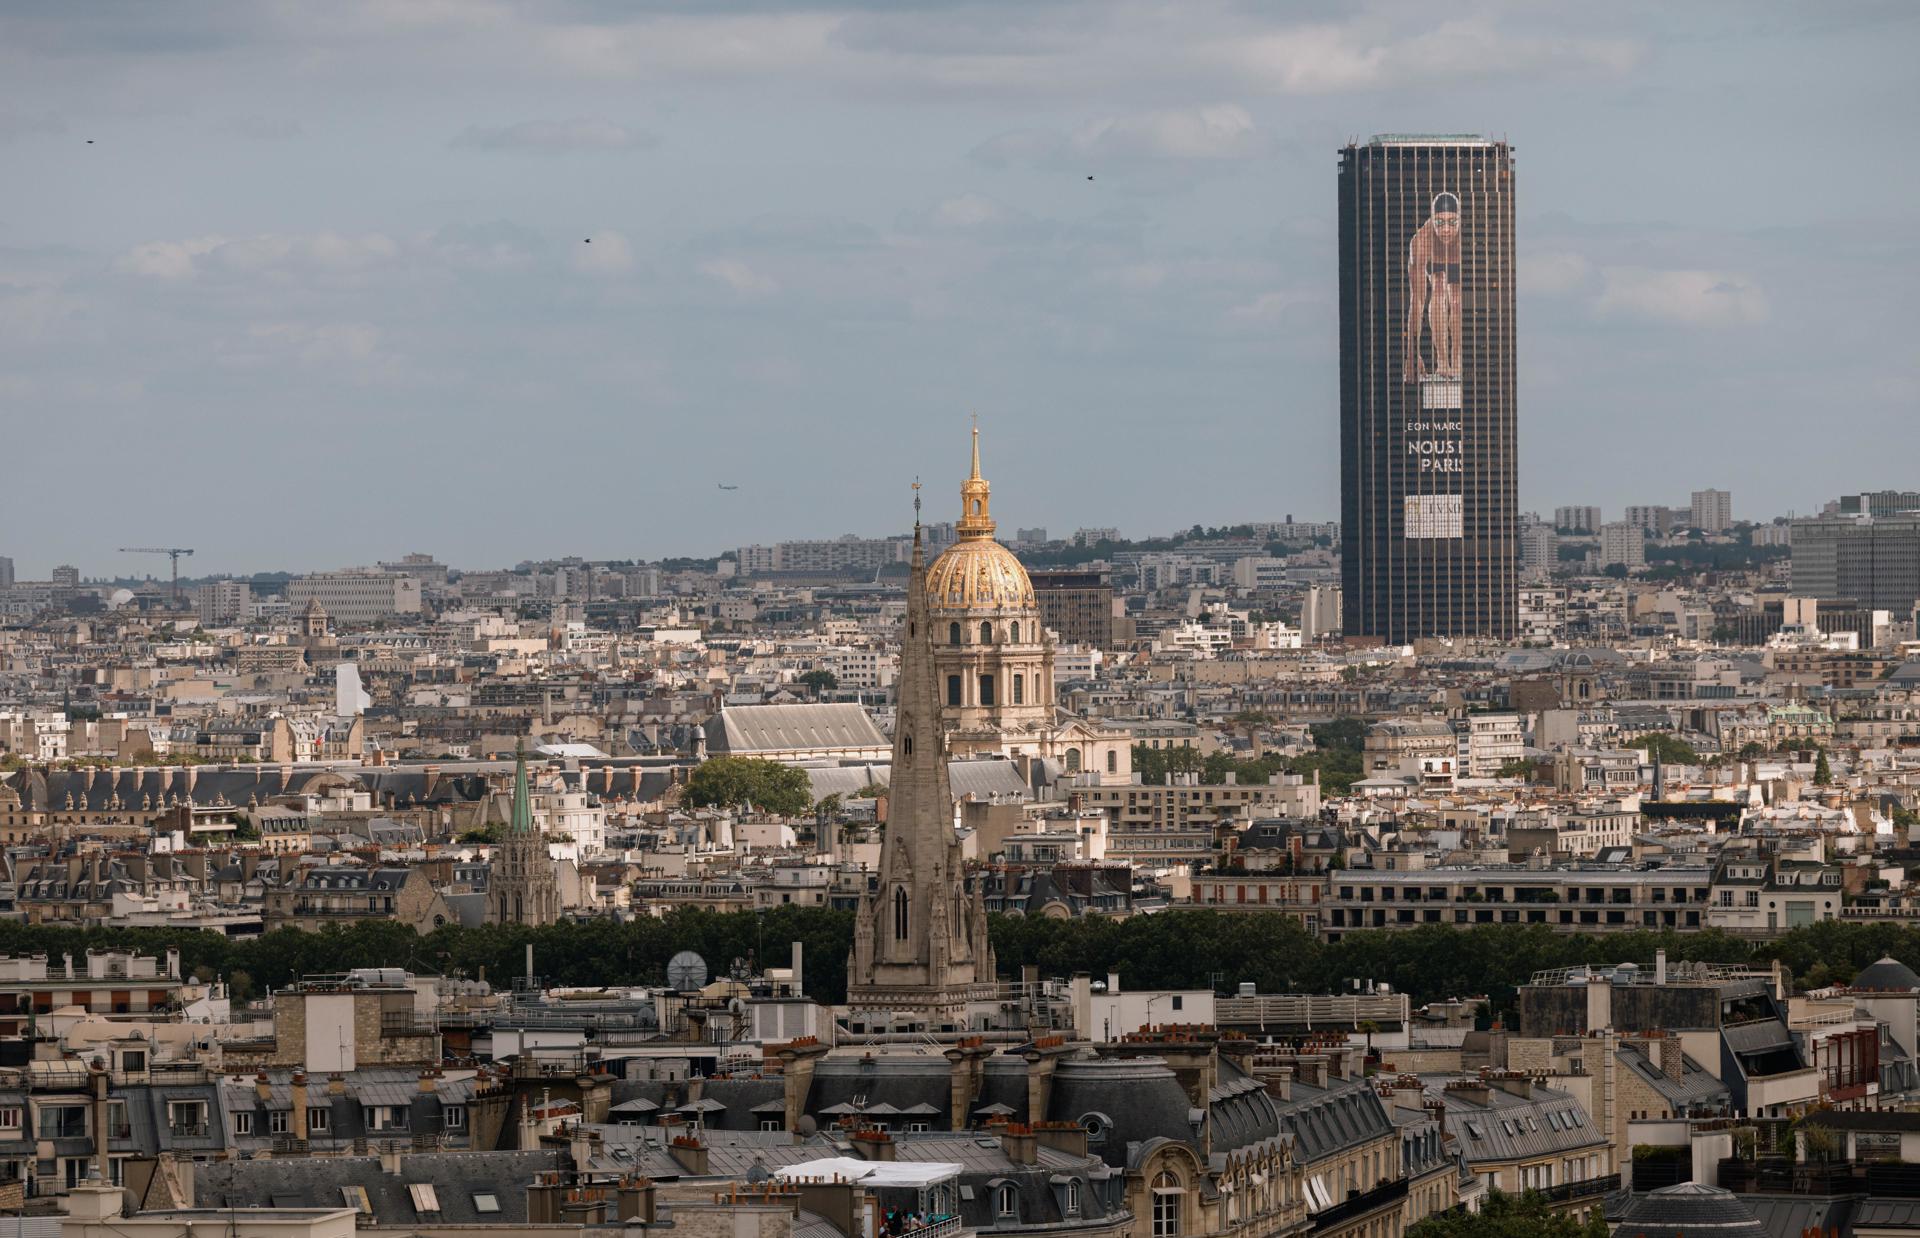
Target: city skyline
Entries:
(566, 259)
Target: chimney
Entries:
(1660, 966)
(97, 1085)
(1673, 1058)
(799, 950)
(1280, 1082)
(336, 1084)
(1068, 1137)
(543, 1198)
(690, 1154)
(1018, 1143)
(392, 1159)
(873, 1145)
(298, 1128)
(173, 962)
(262, 1088)
(634, 1198)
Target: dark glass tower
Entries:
(1427, 453)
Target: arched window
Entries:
(976, 507)
(906, 745)
(1073, 760)
(1013, 633)
(1019, 689)
(986, 689)
(953, 689)
(900, 913)
(1113, 762)
(1007, 1198)
(1073, 1197)
(1166, 1205)
(953, 634)
(986, 634)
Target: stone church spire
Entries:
(920, 949)
(521, 888)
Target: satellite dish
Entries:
(686, 971)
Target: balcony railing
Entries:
(944, 1227)
(1583, 1188)
(1360, 1204)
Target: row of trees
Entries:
(1335, 757)
(1179, 949)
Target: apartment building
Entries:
(1583, 897)
(356, 597)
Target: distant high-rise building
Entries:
(1712, 510)
(1873, 561)
(1320, 612)
(223, 601)
(1539, 551)
(66, 577)
(6, 572)
(356, 596)
(1871, 503)
(1623, 543)
(1655, 518)
(1093, 537)
(1077, 605)
(1030, 537)
(1577, 519)
(1427, 402)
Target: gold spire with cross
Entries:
(976, 500)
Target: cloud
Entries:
(325, 252)
(1219, 131)
(264, 128)
(1553, 273)
(1275, 307)
(1365, 55)
(15, 125)
(353, 343)
(604, 253)
(1680, 298)
(553, 136)
(740, 277)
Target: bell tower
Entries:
(920, 949)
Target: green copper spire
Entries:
(522, 822)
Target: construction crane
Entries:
(173, 553)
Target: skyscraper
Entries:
(1427, 405)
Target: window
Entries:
(1013, 633)
(133, 1060)
(986, 690)
(1073, 760)
(1166, 1205)
(424, 1199)
(900, 913)
(455, 1117)
(318, 1120)
(187, 1117)
(277, 1121)
(486, 1201)
(243, 1123)
(1073, 1198)
(1113, 762)
(356, 1198)
(10, 1119)
(1019, 689)
(772, 1124)
(1007, 1201)
(986, 634)
(953, 689)
(953, 634)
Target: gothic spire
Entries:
(522, 822)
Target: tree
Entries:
(1510, 1216)
(1822, 770)
(1668, 747)
(820, 681)
(735, 782)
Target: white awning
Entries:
(871, 1173)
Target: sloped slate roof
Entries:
(742, 730)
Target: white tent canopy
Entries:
(871, 1173)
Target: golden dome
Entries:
(977, 573)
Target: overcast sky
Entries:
(309, 284)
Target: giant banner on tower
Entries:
(1430, 363)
